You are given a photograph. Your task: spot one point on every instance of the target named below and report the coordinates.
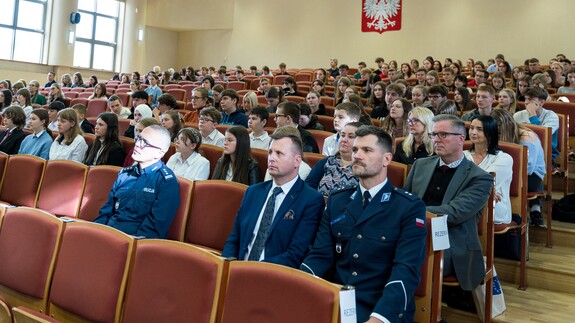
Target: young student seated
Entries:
(70, 144)
(259, 138)
(106, 148)
(187, 162)
(53, 110)
(39, 142)
(115, 105)
(209, 119)
(571, 79)
(84, 124)
(229, 105)
(344, 114)
(14, 120)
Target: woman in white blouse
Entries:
(70, 144)
(485, 153)
(187, 162)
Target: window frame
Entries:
(93, 42)
(14, 27)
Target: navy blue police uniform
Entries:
(378, 250)
(142, 202)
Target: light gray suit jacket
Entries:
(464, 199)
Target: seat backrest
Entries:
(326, 122)
(178, 94)
(29, 242)
(296, 99)
(261, 156)
(161, 288)
(312, 158)
(127, 145)
(211, 153)
(123, 125)
(99, 182)
(518, 187)
(125, 98)
(3, 162)
(178, 226)
(544, 134)
(236, 85)
(221, 200)
(310, 299)
(75, 101)
(95, 107)
(428, 293)
(169, 153)
(319, 136)
(90, 275)
(62, 188)
(18, 189)
(397, 172)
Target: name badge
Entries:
(439, 233)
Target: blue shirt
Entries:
(142, 202)
(154, 92)
(37, 145)
(237, 117)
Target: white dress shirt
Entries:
(195, 168)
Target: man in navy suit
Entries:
(278, 219)
(374, 235)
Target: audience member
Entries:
(78, 81)
(376, 211)
(106, 148)
(344, 114)
(23, 100)
(237, 163)
(115, 105)
(462, 98)
(36, 97)
(447, 107)
(507, 100)
(172, 121)
(84, 124)
(99, 92)
(55, 94)
(436, 94)
(142, 123)
(485, 153)
(273, 97)
(417, 144)
(313, 100)
(141, 111)
(334, 173)
(288, 114)
(70, 143)
(484, 99)
(283, 239)
(13, 119)
(145, 197)
(187, 162)
(249, 102)
(50, 77)
(153, 90)
(231, 114)
(395, 124)
(257, 121)
(209, 119)
(53, 110)
(452, 186)
(39, 142)
(307, 119)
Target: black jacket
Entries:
(11, 145)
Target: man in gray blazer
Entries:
(452, 186)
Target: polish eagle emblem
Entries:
(380, 12)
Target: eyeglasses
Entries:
(196, 98)
(413, 121)
(434, 96)
(139, 140)
(205, 120)
(442, 134)
(280, 115)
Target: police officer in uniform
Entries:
(144, 199)
(374, 236)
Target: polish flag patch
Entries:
(419, 222)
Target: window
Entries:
(22, 25)
(97, 34)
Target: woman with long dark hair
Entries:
(107, 148)
(237, 163)
(485, 153)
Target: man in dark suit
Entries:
(452, 186)
(278, 219)
(287, 114)
(374, 235)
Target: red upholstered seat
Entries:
(90, 274)
(62, 188)
(125, 98)
(77, 100)
(178, 94)
(397, 172)
(312, 158)
(261, 156)
(320, 135)
(211, 153)
(253, 286)
(215, 204)
(178, 226)
(98, 185)
(326, 122)
(236, 85)
(95, 107)
(173, 282)
(29, 242)
(22, 190)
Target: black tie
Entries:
(444, 168)
(265, 225)
(366, 197)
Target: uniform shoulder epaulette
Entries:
(406, 194)
(167, 172)
(352, 188)
(127, 169)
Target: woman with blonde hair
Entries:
(432, 78)
(395, 124)
(55, 94)
(66, 80)
(417, 144)
(249, 102)
(507, 100)
(70, 143)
